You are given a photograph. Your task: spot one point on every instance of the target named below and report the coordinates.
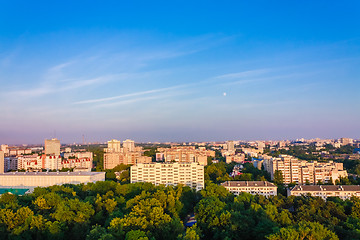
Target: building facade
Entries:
(304, 172)
(45, 179)
(184, 154)
(169, 173)
(324, 191)
(52, 147)
(263, 188)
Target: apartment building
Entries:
(263, 188)
(238, 158)
(78, 155)
(115, 155)
(169, 173)
(324, 191)
(79, 163)
(52, 147)
(184, 154)
(304, 172)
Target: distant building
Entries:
(184, 154)
(115, 155)
(129, 145)
(2, 163)
(302, 172)
(190, 174)
(113, 146)
(264, 188)
(346, 141)
(238, 158)
(230, 145)
(11, 163)
(52, 147)
(324, 191)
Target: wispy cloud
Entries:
(243, 74)
(135, 94)
(49, 88)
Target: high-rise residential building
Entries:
(52, 147)
(169, 173)
(113, 146)
(184, 154)
(2, 163)
(303, 172)
(115, 155)
(129, 145)
(230, 145)
(5, 149)
(346, 141)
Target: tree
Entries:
(278, 177)
(304, 230)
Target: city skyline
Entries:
(195, 72)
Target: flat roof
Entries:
(325, 188)
(51, 173)
(247, 184)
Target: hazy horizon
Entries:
(179, 71)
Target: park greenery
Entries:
(116, 209)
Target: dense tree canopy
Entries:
(111, 210)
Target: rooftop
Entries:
(248, 184)
(51, 173)
(328, 188)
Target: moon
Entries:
(224, 94)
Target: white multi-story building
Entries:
(169, 173)
(36, 162)
(44, 179)
(264, 188)
(324, 191)
(79, 163)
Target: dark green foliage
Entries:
(111, 210)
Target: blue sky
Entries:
(179, 70)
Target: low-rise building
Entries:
(31, 180)
(169, 173)
(264, 188)
(324, 191)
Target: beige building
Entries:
(302, 172)
(184, 154)
(52, 147)
(169, 173)
(238, 158)
(2, 163)
(264, 188)
(45, 179)
(129, 145)
(79, 155)
(115, 155)
(344, 192)
(113, 146)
